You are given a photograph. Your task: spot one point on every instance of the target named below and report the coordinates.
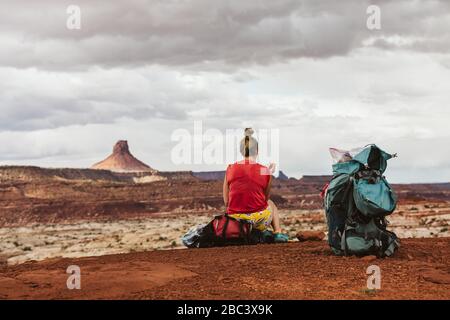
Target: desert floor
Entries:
(95, 238)
(300, 270)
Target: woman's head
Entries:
(249, 145)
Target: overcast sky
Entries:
(138, 70)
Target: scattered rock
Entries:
(310, 235)
(317, 219)
(436, 276)
(3, 260)
(369, 258)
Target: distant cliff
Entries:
(209, 175)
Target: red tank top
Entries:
(247, 184)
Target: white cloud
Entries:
(138, 70)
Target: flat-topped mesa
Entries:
(121, 160)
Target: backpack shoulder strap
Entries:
(224, 231)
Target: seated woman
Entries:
(246, 190)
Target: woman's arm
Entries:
(269, 186)
(226, 191)
(271, 169)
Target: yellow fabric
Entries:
(260, 220)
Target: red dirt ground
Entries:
(420, 270)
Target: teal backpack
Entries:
(357, 201)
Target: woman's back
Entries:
(247, 182)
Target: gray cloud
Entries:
(210, 33)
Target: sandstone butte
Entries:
(121, 160)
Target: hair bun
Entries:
(248, 132)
